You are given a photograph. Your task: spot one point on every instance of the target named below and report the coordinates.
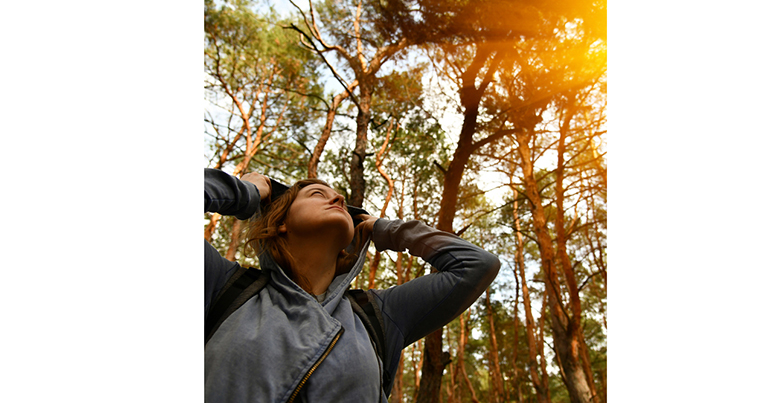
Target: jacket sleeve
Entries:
(422, 305)
(226, 195)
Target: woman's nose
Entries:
(338, 199)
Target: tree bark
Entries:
(373, 266)
(516, 379)
(497, 378)
(211, 226)
(357, 181)
(575, 326)
(597, 260)
(312, 165)
(566, 338)
(378, 163)
(379, 158)
(235, 240)
(541, 348)
(470, 97)
(408, 271)
(461, 357)
(456, 373)
(540, 384)
(452, 389)
(603, 382)
(416, 367)
(398, 382)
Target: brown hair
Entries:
(263, 235)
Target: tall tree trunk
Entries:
(603, 383)
(398, 381)
(366, 75)
(516, 379)
(416, 365)
(541, 348)
(454, 369)
(378, 164)
(357, 181)
(602, 309)
(566, 341)
(575, 326)
(312, 165)
(399, 268)
(379, 158)
(211, 226)
(461, 357)
(597, 260)
(541, 386)
(470, 96)
(497, 378)
(235, 238)
(452, 389)
(373, 266)
(433, 365)
(516, 375)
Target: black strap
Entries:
(367, 309)
(242, 285)
(370, 314)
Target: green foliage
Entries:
(255, 71)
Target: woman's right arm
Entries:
(228, 195)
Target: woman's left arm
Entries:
(421, 306)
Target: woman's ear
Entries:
(282, 228)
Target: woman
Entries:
(299, 340)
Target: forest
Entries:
(484, 118)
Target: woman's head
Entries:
(309, 208)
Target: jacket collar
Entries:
(336, 289)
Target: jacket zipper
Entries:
(317, 363)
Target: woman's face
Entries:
(320, 211)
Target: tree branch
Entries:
(333, 70)
(586, 280)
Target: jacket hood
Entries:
(336, 288)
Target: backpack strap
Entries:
(367, 309)
(370, 314)
(242, 285)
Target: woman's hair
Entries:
(263, 235)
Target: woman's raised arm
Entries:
(228, 195)
(420, 306)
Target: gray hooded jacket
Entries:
(284, 346)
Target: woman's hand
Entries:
(262, 182)
(366, 226)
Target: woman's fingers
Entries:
(364, 217)
(367, 224)
(262, 182)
